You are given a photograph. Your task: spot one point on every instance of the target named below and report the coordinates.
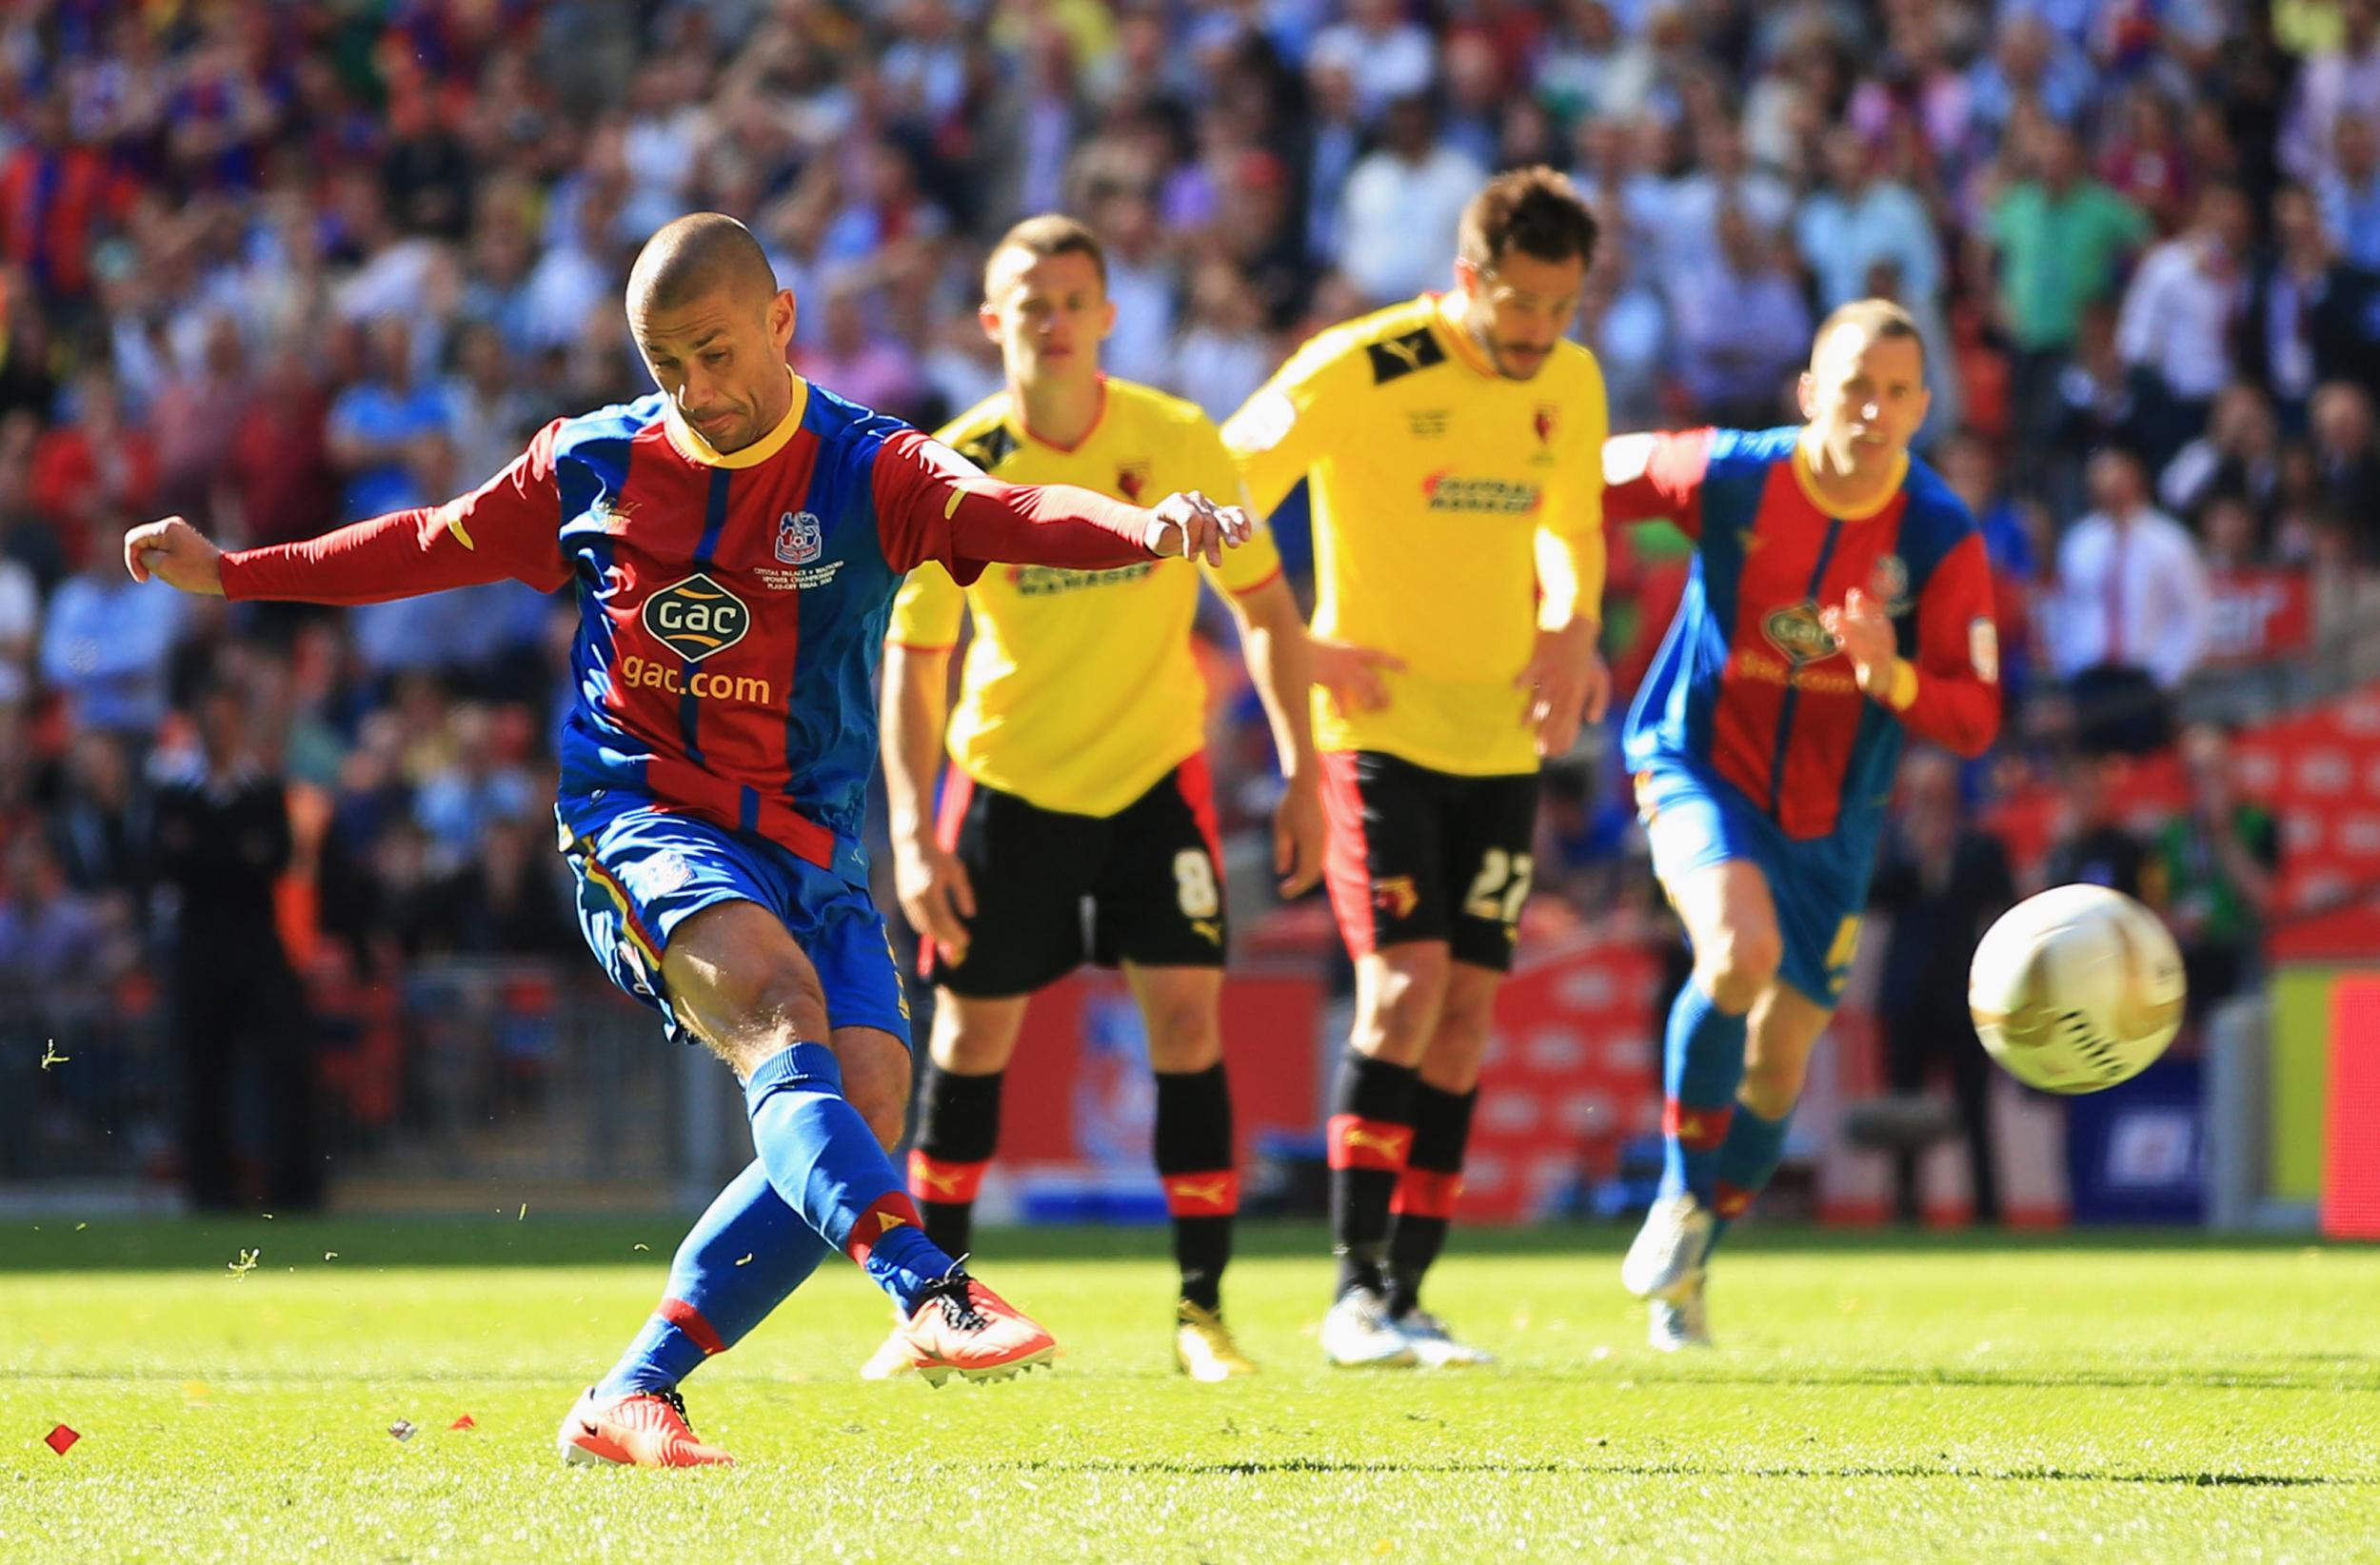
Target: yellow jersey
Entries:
(1080, 691)
(1432, 479)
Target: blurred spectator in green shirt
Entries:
(2212, 872)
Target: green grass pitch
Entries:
(1910, 1397)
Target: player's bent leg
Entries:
(1785, 1028)
(738, 978)
(740, 1260)
(1182, 1009)
(1730, 921)
(1423, 1208)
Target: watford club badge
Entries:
(1131, 479)
(1543, 424)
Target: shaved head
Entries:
(713, 325)
(694, 255)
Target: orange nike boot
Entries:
(960, 1327)
(645, 1430)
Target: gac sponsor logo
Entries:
(652, 674)
(696, 618)
(1824, 682)
(1491, 496)
(1798, 634)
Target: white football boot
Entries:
(1434, 1346)
(1680, 1321)
(1666, 1260)
(1357, 1334)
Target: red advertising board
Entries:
(1572, 1072)
(2256, 614)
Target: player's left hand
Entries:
(1191, 525)
(1862, 628)
(1298, 832)
(1566, 680)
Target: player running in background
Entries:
(1839, 598)
(734, 544)
(1078, 772)
(1452, 445)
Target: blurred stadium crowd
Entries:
(282, 263)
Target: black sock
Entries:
(1371, 1133)
(1424, 1204)
(1201, 1179)
(958, 1131)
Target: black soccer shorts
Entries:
(1052, 890)
(1422, 855)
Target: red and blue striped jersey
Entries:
(1748, 684)
(732, 607)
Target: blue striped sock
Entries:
(1702, 1062)
(824, 1160)
(1747, 1162)
(738, 1262)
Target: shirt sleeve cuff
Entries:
(1902, 694)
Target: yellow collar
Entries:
(694, 448)
(1457, 335)
(1807, 477)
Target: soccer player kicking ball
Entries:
(1078, 773)
(734, 544)
(1452, 446)
(1840, 600)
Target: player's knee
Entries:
(1184, 1033)
(784, 1005)
(1737, 968)
(1399, 1019)
(969, 1043)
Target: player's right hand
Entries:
(1193, 526)
(176, 554)
(935, 894)
(1353, 674)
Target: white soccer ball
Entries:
(2076, 989)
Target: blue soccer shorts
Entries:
(643, 870)
(1820, 885)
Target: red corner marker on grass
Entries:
(59, 1438)
(466, 1421)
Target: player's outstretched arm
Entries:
(506, 529)
(933, 503)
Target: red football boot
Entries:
(963, 1328)
(645, 1430)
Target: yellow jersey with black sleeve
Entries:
(1441, 490)
(1079, 690)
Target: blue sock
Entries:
(1747, 1162)
(738, 1261)
(824, 1160)
(1702, 1063)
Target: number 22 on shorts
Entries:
(1501, 886)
